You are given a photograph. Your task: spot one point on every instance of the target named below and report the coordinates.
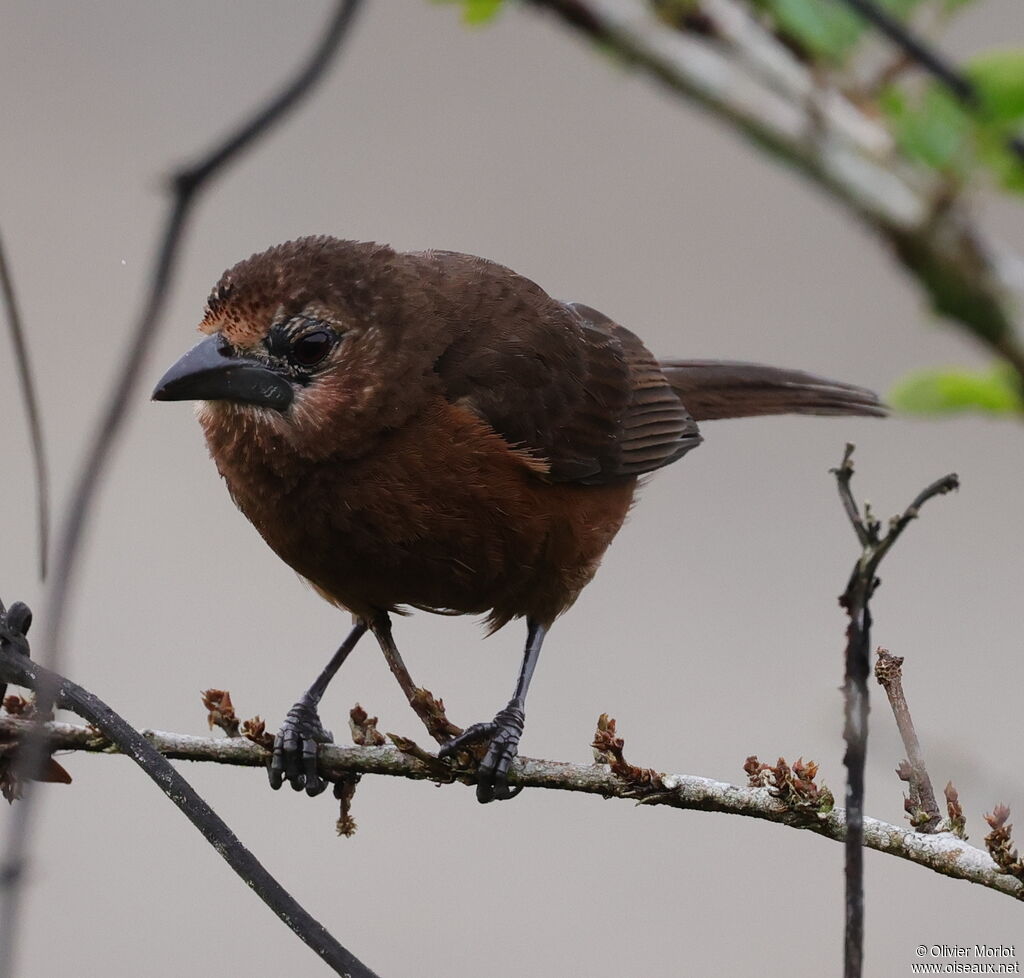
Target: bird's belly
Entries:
(445, 516)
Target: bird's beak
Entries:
(209, 372)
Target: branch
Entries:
(921, 805)
(30, 399)
(187, 185)
(109, 729)
(739, 72)
(856, 600)
(943, 853)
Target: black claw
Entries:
(276, 769)
(296, 748)
(503, 732)
(314, 788)
(471, 735)
(314, 783)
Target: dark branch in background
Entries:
(17, 667)
(917, 50)
(186, 186)
(855, 599)
(927, 57)
(31, 402)
(921, 805)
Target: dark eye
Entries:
(309, 350)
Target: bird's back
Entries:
(562, 381)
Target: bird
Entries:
(431, 430)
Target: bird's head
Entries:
(310, 342)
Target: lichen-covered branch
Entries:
(737, 70)
(943, 853)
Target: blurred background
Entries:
(712, 631)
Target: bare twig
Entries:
(186, 184)
(942, 853)
(855, 599)
(31, 401)
(739, 72)
(111, 732)
(924, 809)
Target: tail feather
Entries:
(712, 389)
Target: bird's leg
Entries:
(429, 710)
(503, 731)
(297, 743)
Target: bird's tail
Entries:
(711, 389)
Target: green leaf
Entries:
(952, 390)
(999, 78)
(954, 6)
(995, 153)
(477, 12)
(900, 8)
(480, 11)
(825, 27)
(931, 128)
(828, 29)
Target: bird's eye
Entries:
(310, 349)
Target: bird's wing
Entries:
(655, 427)
(560, 381)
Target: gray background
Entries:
(712, 631)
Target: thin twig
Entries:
(855, 599)
(889, 672)
(110, 729)
(30, 399)
(843, 476)
(186, 186)
(942, 853)
(917, 49)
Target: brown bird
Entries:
(430, 429)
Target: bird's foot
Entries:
(503, 733)
(296, 748)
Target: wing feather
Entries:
(559, 381)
